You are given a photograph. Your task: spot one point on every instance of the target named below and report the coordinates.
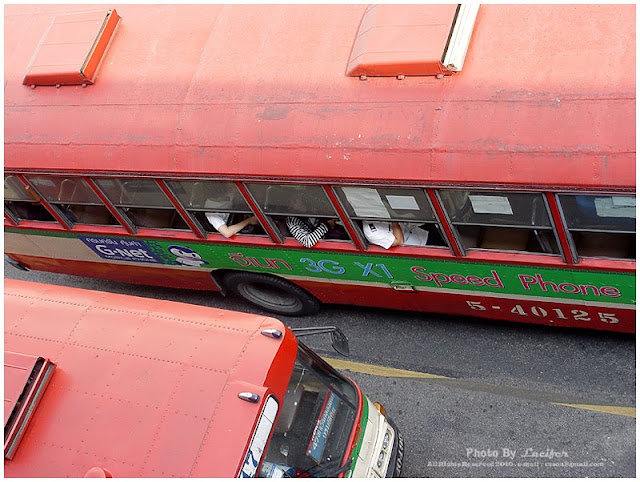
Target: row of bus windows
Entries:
(599, 225)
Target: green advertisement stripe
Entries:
(451, 276)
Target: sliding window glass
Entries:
(503, 221)
(601, 225)
(377, 207)
(74, 199)
(142, 202)
(214, 203)
(20, 205)
(308, 203)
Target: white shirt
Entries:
(381, 233)
(414, 235)
(217, 219)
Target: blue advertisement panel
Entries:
(116, 249)
(323, 427)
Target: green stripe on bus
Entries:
(476, 278)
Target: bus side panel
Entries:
(553, 313)
(155, 276)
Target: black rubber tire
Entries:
(272, 293)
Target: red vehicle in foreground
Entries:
(102, 384)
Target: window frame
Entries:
(59, 204)
(458, 237)
(437, 222)
(8, 210)
(123, 209)
(188, 212)
(575, 256)
(552, 198)
(281, 238)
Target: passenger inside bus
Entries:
(390, 234)
(308, 232)
(219, 223)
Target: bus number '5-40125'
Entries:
(552, 314)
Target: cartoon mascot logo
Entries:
(186, 256)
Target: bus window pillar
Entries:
(193, 225)
(569, 253)
(354, 233)
(443, 218)
(123, 220)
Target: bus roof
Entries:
(546, 95)
(141, 387)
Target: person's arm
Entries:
(305, 236)
(397, 233)
(228, 231)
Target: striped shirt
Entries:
(304, 233)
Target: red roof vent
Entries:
(398, 40)
(72, 49)
(25, 379)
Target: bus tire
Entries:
(271, 293)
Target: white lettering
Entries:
(125, 253)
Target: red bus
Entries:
(105, 384)
(455, 159)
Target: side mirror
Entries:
(339, 341)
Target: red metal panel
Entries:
(537, 311)
(146, 399)
(528, 107)
(402, 40)
(34, 373)
(72, 48)
(102, 41)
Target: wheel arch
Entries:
(310, 301)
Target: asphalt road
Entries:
(510, 400)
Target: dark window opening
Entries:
(601, 225)
(503, 221)
(28, 211)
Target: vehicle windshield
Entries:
(316, 418)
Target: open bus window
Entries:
(504, 221)
(74, 199)
(22, 206)
(28, 211)
(409, 207)
(601, 225)
(210, 202)
(142, 202)
(309, 203)
(315, 422)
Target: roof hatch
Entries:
(25, 380)
(72, 49)
(398, 40)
